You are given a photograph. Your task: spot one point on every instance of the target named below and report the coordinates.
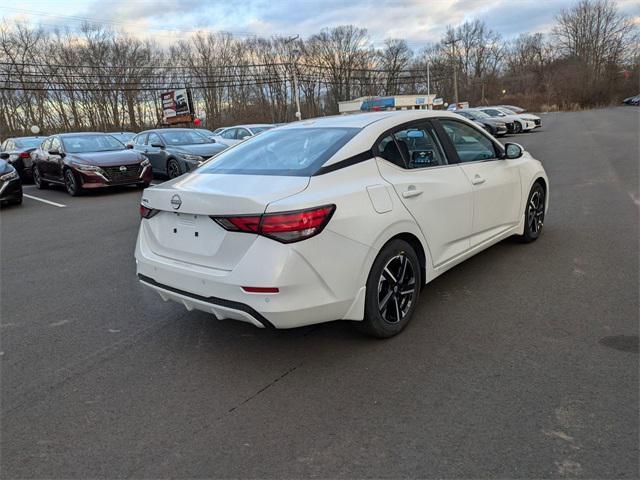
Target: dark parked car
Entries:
(174, 151)
(494, 126)
(10, 183)
(19, 150)
(124, 137)
(82, 161)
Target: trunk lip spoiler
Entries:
(212, 300)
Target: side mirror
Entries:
(157, 145)
(246, 137)
(128, 145)
(56, 152)
(4, 156)
(513, 151)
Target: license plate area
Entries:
(194, 234)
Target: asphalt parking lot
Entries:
(520, 363)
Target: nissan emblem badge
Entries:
(176, 201)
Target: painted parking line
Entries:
(44, 201)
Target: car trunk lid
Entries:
(183, 229)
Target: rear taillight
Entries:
(147, 212)
(24, 155)
(285, 227)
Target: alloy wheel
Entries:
(70, 182)
(36, 177)
(535, 212)
(396, 288)
(173, 169)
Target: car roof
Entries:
(163, 130)
(26, 138)
(362, 120)
(74, 134)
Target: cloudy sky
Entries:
(417, 21)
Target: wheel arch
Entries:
(410, 233)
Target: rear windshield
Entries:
(290, 152)
(27, 142)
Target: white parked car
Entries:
(527, 116)
(521, 124)
(233, 135)
(343, 217)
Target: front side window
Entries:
(91, 143)
(45, 145)
(289, 152)
(229, 134)
(413, 147)
(154, 139)
(241, 133)
(55, 145)
(470, 143)
(140, 139)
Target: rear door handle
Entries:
(478, 180)
(412, 192)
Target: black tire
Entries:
(17, 201)
(173, 168)
(517, 127)
(392, 290)
(37, 179)
(71, 183)
(144, 185)
(534, 214)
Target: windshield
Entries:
(479, 114)
(91, 143)
(123, 137)
(184, 137)
(257, 130)
(290, 152)
(27, 142)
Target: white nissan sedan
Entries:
(343, 217)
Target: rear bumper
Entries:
(308, 293)
(220, 307)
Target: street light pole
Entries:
(296, 92)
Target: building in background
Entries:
(396, 102)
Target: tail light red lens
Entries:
(261, 289)
(285, 227)
(24, 155)
(147, 212)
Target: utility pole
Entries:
(455, 68)
(296, 92)
(429, 101)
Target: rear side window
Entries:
(413, 147)
(470, 143)
(289, 152)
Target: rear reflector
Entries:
(24, 155)
(147, 212)
(261, 289)
(285, 227)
